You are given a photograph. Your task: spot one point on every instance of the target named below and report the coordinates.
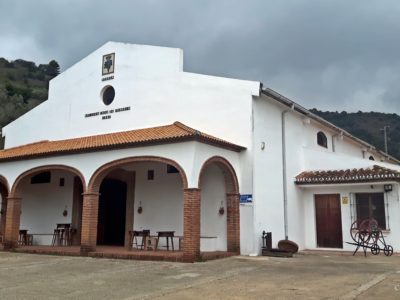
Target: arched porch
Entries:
(220, 211)
(39, 199)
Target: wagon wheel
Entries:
(388, 250)
(367, 232)
(354, 232)
(375, 249)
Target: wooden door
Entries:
(328, 221)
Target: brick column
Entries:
(4, 215)
(233, 222)
(89, 222)
(13, 217)
(191, 224)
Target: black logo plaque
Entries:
(108, 64)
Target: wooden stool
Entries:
(56, 237)
(151, 243)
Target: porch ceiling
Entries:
(174, 133)
(373, 174)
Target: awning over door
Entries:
(372, 174)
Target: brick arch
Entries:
(100, 173)
(4, 186)
(231, 182)
(13, 214)
(232, 200)
(36, 170)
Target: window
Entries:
(150, 175)
(171, 169)
(371, 205)
(371, 158)
(322, 140)
(43, 177)
(108, 94)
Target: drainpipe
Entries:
(285, 213)
(333, 140)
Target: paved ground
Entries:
(28, 276)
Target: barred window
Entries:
(371, 205)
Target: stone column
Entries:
(233, 222)
(13, 218)
(191, 224)
(89, 222)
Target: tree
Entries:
(53, 68)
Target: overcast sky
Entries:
(333, 55)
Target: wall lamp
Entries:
(387, 187)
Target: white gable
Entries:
(150, 89)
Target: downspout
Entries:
(333, 140)
(285, 204)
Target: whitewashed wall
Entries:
(302, 153)
(161, 199)
(43, 205)
(213, 227)
(392, 236)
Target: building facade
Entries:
(129, 141)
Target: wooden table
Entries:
(62, 235)
(25, 239)
(168, 235)
(144, 234)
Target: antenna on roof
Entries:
(385, 132)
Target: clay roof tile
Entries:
(176, 132)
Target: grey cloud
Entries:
(334, 55)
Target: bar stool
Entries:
(23, 237)
(56, 237)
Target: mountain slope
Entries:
(23, 85)
(367, 126)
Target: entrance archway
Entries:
(92, 230)
(52, 194)
(214, 168)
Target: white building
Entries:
(129, 141)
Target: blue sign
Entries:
(246, 198)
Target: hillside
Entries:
(367, 126)
(23, 85)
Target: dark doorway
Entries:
(112, 210)
(328, 221)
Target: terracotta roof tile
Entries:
(176, 132)
(373, 174)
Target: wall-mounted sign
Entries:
(106, 114)
(246, 198)
(108, 64)
(345, 200)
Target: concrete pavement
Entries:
(327, 276)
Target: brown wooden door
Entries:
(328, 221)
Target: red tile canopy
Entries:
(373, 174)
(174, 133)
